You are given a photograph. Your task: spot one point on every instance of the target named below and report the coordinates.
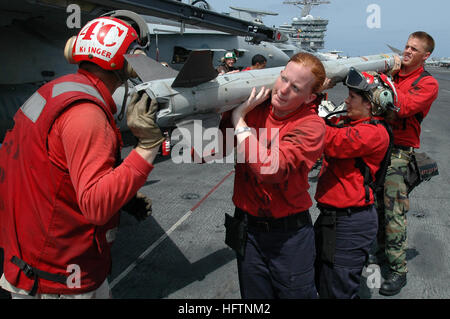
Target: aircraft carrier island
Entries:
(306, 31)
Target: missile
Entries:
(338, 69)
(197, 90)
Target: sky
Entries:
(390, 22)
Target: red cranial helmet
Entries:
(106, 39)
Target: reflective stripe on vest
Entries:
(33, 107)
(65, 87)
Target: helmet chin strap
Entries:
(123, 79)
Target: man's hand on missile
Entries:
(140, 207)
(141, 119)
(397, 66)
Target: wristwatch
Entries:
(242, 130)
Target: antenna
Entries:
(307, 5)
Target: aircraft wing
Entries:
(179, 11)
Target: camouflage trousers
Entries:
(392, 237)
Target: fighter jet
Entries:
(444, 63)
(173, 42)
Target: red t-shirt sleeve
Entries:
(299, 148)
(417, 99)
(83, 141)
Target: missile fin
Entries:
(395, 50)
(148, 69)
(196, 70)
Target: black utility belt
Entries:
(35, 274)
(288, 223)
(343, 211)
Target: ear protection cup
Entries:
(68, 49)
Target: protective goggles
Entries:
(356, 80)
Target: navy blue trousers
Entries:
(355, 235)
(278, 265)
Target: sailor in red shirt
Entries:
(259, 61)
(416, 90)
(355, 146)
(62, 181)
(271, 182)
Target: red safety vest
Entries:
(45, 236)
